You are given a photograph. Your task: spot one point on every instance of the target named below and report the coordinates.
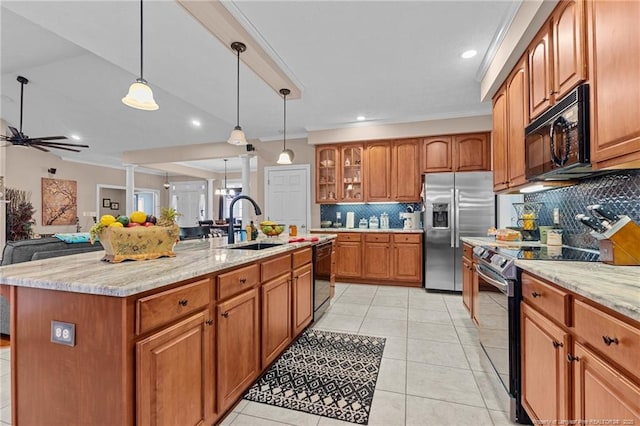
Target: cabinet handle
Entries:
(536, 294)
(572, 358)
(545, 99)
(209, 322)
(243, 280)
(183, 302)
(225, 314)
(557, 344)
(608, 340)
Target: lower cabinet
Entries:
(349, 256)
(302, 298)
(175, 375)
(276, 317)
(238, 340)
(376, 256)
(467, 283)
(406, 265)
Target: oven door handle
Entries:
(502, 286)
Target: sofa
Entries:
(42, 248)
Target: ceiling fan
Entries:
(41, 143)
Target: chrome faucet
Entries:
(230, 237)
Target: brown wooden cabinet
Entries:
(352, 170)
(456, 153)
(540, 72)
(175, 378)
(406, 264)
(377, 256)
(238, 332)
(467, 278)
(302, 298)
(544, 348)
(276, 317)
(614, 66)
(348, 255)
(499, 142)
(327, 173)
(405, 170)
(377, 171)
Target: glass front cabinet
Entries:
(351, 179)
(327, 176)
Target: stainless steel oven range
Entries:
(500, 294)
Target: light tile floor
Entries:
(433, 369)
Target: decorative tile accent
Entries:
(365, 210)
(619, 191)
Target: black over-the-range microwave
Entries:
(557, 143)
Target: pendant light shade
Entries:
(166, 183)
(140, 95)
(286, 156)
(237, 135)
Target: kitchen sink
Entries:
(256, 246)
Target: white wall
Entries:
(506, 213)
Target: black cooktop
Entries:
(550, 253)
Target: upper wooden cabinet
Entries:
(378, 171)
(456, 153)
(351, 166)
(556, 57)
(499, 141)
(327, 173)
(614, 69)
(405, 170)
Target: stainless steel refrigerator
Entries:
(456, 205)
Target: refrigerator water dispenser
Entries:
(440, 215)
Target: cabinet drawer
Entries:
(301, 257)
(467, 251)
(275, 267)
(162, 308)
(377, 238)
(614, 338)
(348, 237)
(236, 281)
(406, 238)
(546, 298)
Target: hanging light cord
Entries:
(238, 90)
(21, 104)
(141, 67)
(284, 132)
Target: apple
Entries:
(132, 224)
(147, 224)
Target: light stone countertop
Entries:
(616, 287)
(86, 273)
(389, 230)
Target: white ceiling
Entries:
(392, 61)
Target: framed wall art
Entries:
(59, 202)
(106, 202)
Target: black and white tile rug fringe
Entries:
(324, 373)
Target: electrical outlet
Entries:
(63, 333)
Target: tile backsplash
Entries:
(329, 211)
(619, 191)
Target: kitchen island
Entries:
(173, 340)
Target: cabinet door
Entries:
(276, 317)
(377, 261)
(518, 118)
(614, 65)
(407, 262)
(437, 154)
(302, 298)
(351, 187)
(540, 73)
(239, 341)
(405, 169)
(378, 171)
(467, 282)
(471, 152)
(175, 376)
(601, 392)
(499, 141)
(545, 372)
(327, 174)
(569, 66)
(348, 259)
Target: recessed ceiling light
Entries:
(75, 137)
(195, 123)
(361, 118)
(468, 54)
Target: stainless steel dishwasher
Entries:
(321, 278)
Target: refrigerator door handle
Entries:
(451, 219)
(457, 201)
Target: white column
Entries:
(129, 207)
(210, 192)
(246, 188)
(3, 176)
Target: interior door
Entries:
(288, 195)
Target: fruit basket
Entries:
(272, 229)
(528, 215)
(138, 243)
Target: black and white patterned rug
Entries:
(324, 373)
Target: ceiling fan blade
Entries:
(14, 131)
(43, 142)
(39, 147)
(50, 138)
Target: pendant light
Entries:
(225, 191)
(237, 135)
(286, 156)
(166, 184)
(140, 95)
